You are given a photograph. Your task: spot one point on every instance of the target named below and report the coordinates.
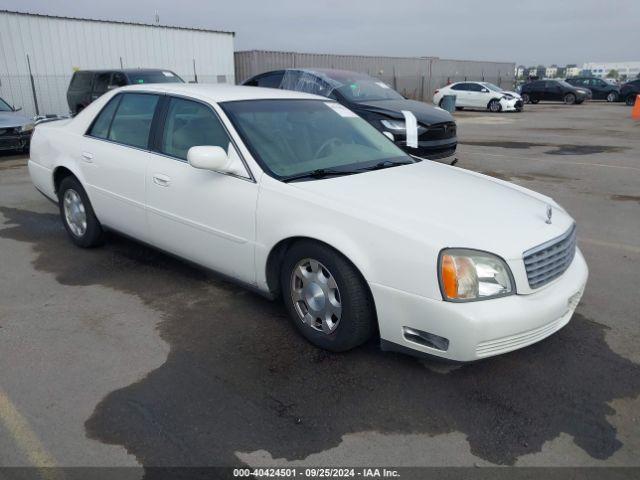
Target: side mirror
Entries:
(209, 158)
(484, 90)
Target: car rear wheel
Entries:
(326, 297)
(630, 100)
(77, 214)
(612, 97)
(495, 106)
(526, 98)
(569, 99)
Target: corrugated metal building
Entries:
(414, 77)
(39, 53)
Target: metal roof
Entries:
(121, 22)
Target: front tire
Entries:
(569, 99)
(326, 297)
(77, 214)
(526, 98)
(630, 100)
(495, 106)
(612, 97)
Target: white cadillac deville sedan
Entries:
(297, 197)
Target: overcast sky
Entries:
(530, 32)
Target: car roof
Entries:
(221, 92)
(126, 70)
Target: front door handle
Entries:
(161, 180)
(87, 157)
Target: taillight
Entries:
(436, 92)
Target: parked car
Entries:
(298, 197)
(480, 95)
(376, 102)
(630, 91)
(15, 128)
(553, 90)
(600, 89)
(87, 85)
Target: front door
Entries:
(204, 216)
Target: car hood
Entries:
(445, 206)
(513, 94)
(13, 119)
(426, 114)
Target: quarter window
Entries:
(100, 128)
(189, 124)
(132, 122)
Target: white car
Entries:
(296, 196)
(480, 95)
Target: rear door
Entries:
(463, 95)
(204, 216)
(114, 161)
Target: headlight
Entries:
(26, 128)
(397, 125)
(467, 275)
(400, 126)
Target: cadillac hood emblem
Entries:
(549, 214)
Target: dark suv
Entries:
(629, 92)
(600, 89)
(553, 90)
(376, 102)
(87, 85)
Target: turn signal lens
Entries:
(473, 275)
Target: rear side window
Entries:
(153, 76)
(272, 80)
(81, 81)
(132, 121)
(190, 124)
(102, 82)
(460, 86)
(100, 128)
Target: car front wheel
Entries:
(525, 98)
(494, 106)
(569, 99)
(77, 214)
(631, 100)
(612, 97)
(326, 297)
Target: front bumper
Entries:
(12, 140)
(511, 105)
(480, 329)
(431, 149)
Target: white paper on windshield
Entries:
(382, 84)
(167, 74)
(340, 109)
(411, 124)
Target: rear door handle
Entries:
(161, 180)
(87, 157)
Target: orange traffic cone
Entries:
(635, 113)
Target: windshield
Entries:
(362, 88)
(4, 106)
(493, 87)
(163, 76)
(292, 137)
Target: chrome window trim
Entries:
(251, 178)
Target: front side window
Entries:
(190, 124)
(132, 121)
(293, 137)
(475, 87)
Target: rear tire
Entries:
(630, 100)
(495, 106)
(526, 98)
(569, 99)
(77, 214)
(326, 297)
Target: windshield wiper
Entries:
(388, 164)
(319, 173)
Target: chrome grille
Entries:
(548, 261)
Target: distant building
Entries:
(551, 72)
(572, 70)
(624, 69)
(520, 71)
